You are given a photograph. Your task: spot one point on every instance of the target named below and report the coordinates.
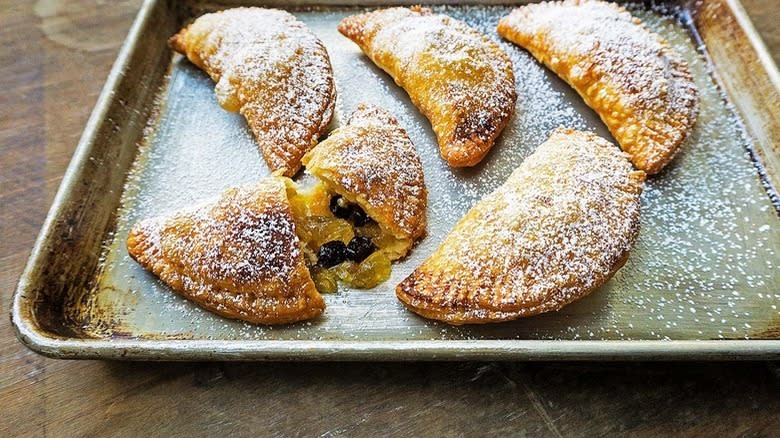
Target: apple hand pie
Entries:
(640, 87)
(238, 257)
(558, 228)
(458, 78)
(370, 207)
(273, 70)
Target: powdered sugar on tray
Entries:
(704, 266)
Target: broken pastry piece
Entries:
(557, 229)
(459, 79)
(238, 256)
(273, 70)
(372, 162)
(259, 253)
(373, 187)
(641, 88)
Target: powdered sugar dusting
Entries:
(372, 156)
(641, 87)
(556, 229)
(273, 70)
(243, 238)
(237, 255)
(460, 79)
(709, 238)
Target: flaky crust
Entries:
(238, 256)
(459, 79)
(372, 161)
(273, 70)
(641, 88)
(557, 229)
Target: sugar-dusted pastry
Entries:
(459, 79)
(640, 87)
(557, 229)
(273, 70)
(238, 256)
(372, 184)
(372, 162)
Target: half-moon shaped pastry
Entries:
(557, 229)
(459, 79)
(371, 162)
(238, 257)
(273, 70)
(639, 86)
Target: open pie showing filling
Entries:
(252, 253)
(368, 207)
(340, 241)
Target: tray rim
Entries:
(50, 345)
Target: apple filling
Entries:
(341, 243)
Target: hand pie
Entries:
(640, 87)
(368, 208)
(238, 256)
(458, 78)
(372, 162)
(557, 229)
(273, 70)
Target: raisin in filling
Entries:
(352, 212)
(359, 248)
(341, 242)
(331, 254)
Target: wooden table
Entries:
(54, 57)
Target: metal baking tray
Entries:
(702, 282)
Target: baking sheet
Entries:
(704, 267)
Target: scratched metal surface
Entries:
(704, 267)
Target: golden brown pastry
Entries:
(458, 78)
(557, 229)
(239, 256)
(273, 70)
(640, 87)
(372, 162)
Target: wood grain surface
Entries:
(54, 58)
